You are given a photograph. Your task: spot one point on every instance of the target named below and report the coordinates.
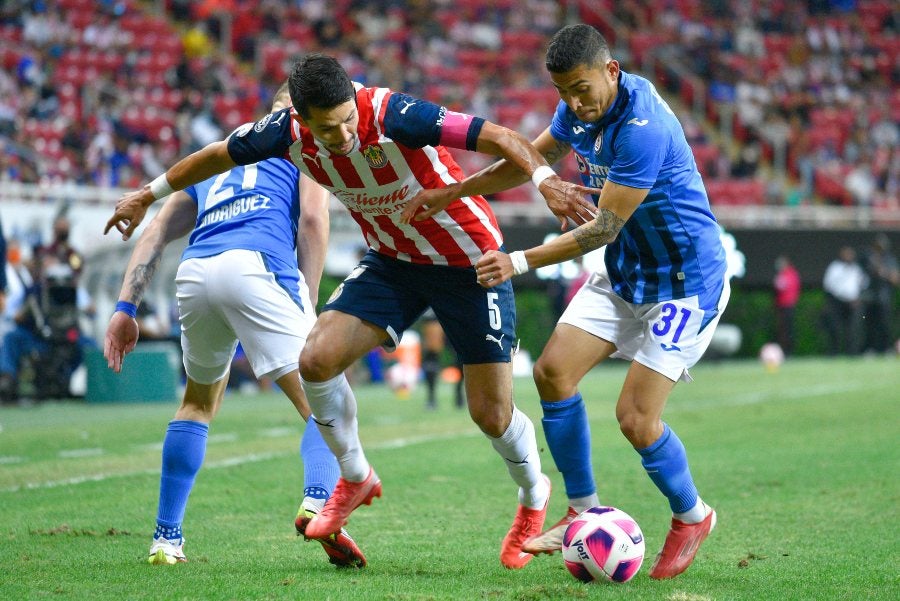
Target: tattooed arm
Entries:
(617, 203)
(175, 219)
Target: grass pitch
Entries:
(801, 465)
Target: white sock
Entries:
(334, 411)
(695, 514)
(518, 447)
(583, 503)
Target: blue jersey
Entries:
(669, 248)
(251, 207)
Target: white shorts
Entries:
(231, 297)
(666, 337)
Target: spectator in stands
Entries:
(787, 293)
(884, 279)
(844, 283)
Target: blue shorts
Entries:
(480, 323)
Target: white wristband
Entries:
(540, 174)
(519, 262)
(161, 187)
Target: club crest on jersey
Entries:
(375, 156)
(598, 143)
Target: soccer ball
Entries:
(603, 544)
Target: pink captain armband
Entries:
(455, 130)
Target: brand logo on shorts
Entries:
(670, 347)
(499, 341)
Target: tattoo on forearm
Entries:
(602, 230)
(557, 152)
(142, 274)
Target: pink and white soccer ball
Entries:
(603, 544)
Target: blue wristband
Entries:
(129, 309)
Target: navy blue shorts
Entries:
(479, 322)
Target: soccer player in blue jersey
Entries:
(664, 292)
(239, 280)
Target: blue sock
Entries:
(320, 467)
(666, 464)
(183, 450)
(569, 438)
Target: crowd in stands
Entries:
(107, 94)
(818, 78)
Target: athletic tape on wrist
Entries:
(519, 262)
(540, 174)
(161, 187)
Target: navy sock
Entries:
(666, 464)
(569, 438)
(320, 467)
(182, 455)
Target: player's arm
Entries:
(267, 138)
(312, 234)
(175, 219)
(522, 161)
(617, 203)
(192, 169)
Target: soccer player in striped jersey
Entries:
(239, 280)
(661, 300)
(374, 149)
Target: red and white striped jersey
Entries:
(400, 151)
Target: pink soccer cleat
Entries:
(681, 546)
(527, 524)
(550, 540)
(346, 497)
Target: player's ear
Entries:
(612, 68)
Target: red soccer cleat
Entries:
(681, 546)
(340, 548)
(550, 540)
(346, 497)
(527, 524)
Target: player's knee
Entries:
(551, 382)
(639, 429)
(316, 367)
(489, 417)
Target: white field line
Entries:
(395, 443)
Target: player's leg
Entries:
(184, 448)
(432, 346)
(481, 326)
(208, 344)
(597, 323)
(676, 334)
(557, 373)
(320, 475)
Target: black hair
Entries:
(575, 45)
(318, 80)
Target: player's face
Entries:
(588, 90)
(335, 127)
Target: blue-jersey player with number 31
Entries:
(660, 300)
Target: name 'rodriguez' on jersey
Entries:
(400, 152)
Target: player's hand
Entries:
(434, 201)
(130, 211)
(568, 201)
(121, 336)
(493, 268)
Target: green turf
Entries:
(802, 466)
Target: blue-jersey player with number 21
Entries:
(660, 300)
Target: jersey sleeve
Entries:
(640, 152)
(192, 192)
(559, 127)
(268, 138)
(416, 123)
